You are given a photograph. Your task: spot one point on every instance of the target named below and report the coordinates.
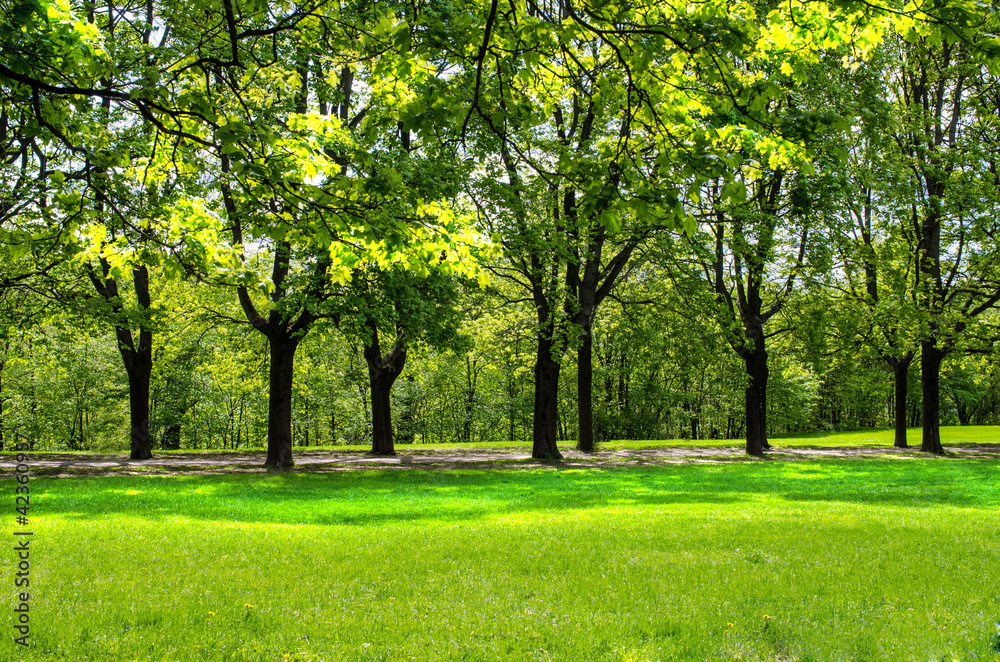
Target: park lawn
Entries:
(951, 435)
(865, 559)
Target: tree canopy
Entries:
(482, 191)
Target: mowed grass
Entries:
(953, 435)
(873, 559)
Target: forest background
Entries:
(229, 225)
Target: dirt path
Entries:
(97, 464)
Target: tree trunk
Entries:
(138, 400)
(546, 412)
(176, 401)
(963, 413)
(900, 373)
(756, 401)
(382, 374)
(930, 369)
(139, 367)
(471, 377)
(382, 443)
(584, 392)
(136, 356)
(279, 401)
(2, 365)
(172, 436)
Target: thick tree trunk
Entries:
(546, 412)
(382, 442)
(382, 374)
(756, 401)
(900, 373)
(930, 370)
(279, 401)
(138, 400)
(932, 302)
(584, 392)
(137, 357)
(139, 367)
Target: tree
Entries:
(406, 308)
(952, 197)
(565, 188)
(872, 241)
(105, 192)
(748, 255)
(315, 176)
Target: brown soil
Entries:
(95, 464)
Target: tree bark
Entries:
(471, 377)
(900, 373)
(749, 276)
(137, 357)
(138, 399)
(930, 370)
(755, 364)
(546, 411)
(284, 326)
(584, 392)
(3, 364)
(382, 374)
(382, 442)
(279, 402)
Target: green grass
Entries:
(809, 560)
(953, 435)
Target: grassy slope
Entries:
(812, 560)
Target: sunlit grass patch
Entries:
(821, 560)
(951, 435)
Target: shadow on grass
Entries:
(377, 497)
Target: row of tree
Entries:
(752, 168)
(656, 376)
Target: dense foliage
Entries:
(231, 224)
